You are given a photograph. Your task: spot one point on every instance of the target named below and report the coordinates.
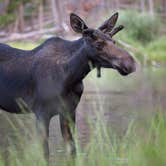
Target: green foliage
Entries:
(29, 8)
(12, 6)
(157, 50)
(150, 149)
(10, 14)
(6, 19)
(140, 26)
(143, 37)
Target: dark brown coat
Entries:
(49, 78)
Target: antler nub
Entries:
(116, 30)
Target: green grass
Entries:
(150, 148)
(23, 45)
(30, 155)
(142, 144)
(20, 144)
(156, 49)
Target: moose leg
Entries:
(67, 124)
(42, 125)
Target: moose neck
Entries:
(79, 65)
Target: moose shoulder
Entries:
(49, 78)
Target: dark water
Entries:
(114, 99)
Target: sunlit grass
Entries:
(24, 45)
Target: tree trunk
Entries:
(117, 4)
(57, 12)
(142, 5)
(53, 11)
(164, 6)
(3, 6)
(41, 15)
(21, 17)
(15, 29)
(6, 2)
(151, 7)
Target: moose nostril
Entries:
(126, 69)
(129, 66)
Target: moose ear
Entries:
(77, 24)
(109, 24)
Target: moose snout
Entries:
(128, 66)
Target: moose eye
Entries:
(100, 45)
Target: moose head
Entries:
(103, 49)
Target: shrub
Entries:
(157, 49)
(140, 26)
(6, 19)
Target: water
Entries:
(113, 99)
(118, 100)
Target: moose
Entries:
(49, 77)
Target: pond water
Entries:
(113, 99)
